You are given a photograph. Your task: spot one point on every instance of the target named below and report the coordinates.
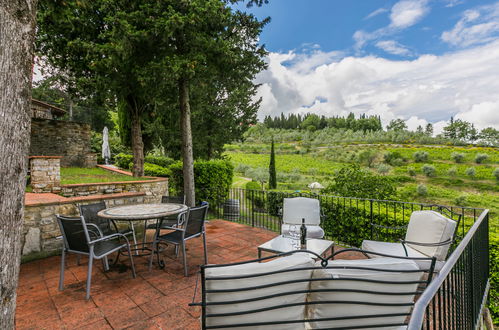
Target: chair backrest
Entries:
(173, 199)
(241, 281)
(298, 208)
(194, 222)
(430, 227)
(368, 292)
(74, 232)
(89, 212)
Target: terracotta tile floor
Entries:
(154, 300)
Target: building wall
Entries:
(71, 140)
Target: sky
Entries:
(419, 60)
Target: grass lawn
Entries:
(75, 175)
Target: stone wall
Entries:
(71, 140)
(45, 172)
(152, 188)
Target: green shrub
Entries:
(452, 171)
(457, 157)
(460, 200)
(352, 181)
(367, 157)
(252, 185)
(429, 170)
(242, 168)
(421, 156)
(123, 160)
(481, 158)
(411, 171)
(422, 190)
(159, 160)
(471, 172)
(156, 170)
(213, 179)
(384, 168)
(393, 158)
(495, 173)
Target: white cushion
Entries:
(298, 208)
(396, 249)
(345, 309)
(430, 227)
(289, 313)
(312, 231)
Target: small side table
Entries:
(281, 244)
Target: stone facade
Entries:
(152, 188)
(71, 140)
(45, 173)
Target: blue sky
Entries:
(420, 60)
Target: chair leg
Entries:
(131, 261)
(63, 264)
(205, 249)
(185, 258)
(134, 238)
(89, 274)
(105, 263)
(78, 259)
(176, 251)
(153, 251)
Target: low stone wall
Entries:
(41, 230)
(152, 188)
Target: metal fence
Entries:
(454, 299)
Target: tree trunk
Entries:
(187, 156)
(17, 29)
(137, 143)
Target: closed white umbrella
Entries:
(106, 151)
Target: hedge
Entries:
(213, 180)
(124, 160)
(156, 170)
(160, 160)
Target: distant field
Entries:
(320, 163)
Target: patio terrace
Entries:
(154, 300)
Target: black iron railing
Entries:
(455, 298)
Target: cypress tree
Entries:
(272, 171)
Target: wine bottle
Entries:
(303, 235)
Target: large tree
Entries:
(17, 29)
(210, 44)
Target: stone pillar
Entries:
(45, 173)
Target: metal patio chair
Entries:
(171, 220)
(85, 239)
(191, 225)
(429, 234)
(106, 226)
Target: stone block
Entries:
(32, 241)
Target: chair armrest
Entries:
(448, 241)
(105, 238)
(94, 226)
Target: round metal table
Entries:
(141, 212)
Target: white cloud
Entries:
(393, 47)
(406, 13)
(432, 88)
(403, 14)
(476, 26)
(452, 3)
(377, 12)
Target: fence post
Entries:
(252, 194)
(371, 217)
